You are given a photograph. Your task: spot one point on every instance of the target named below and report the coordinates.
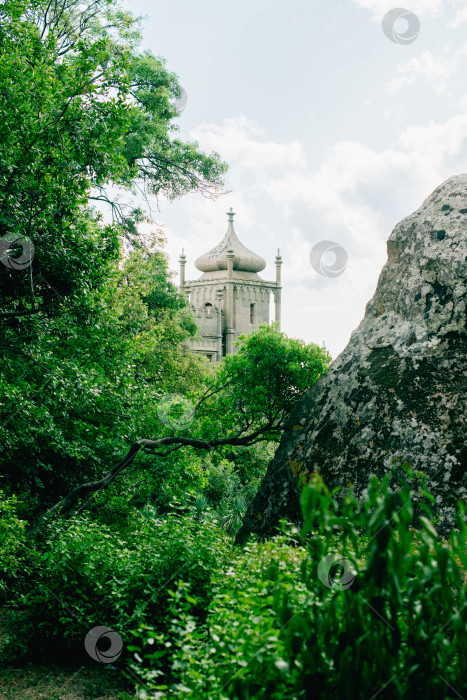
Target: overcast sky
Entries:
(333, 131)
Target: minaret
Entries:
(277, 291)
(182, 262)
(229, 331)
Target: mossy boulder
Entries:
(398, 392)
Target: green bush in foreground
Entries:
(88, 575)
(12, 544)
(373, 607)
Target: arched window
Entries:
(208, 308)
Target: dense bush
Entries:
(12, 544)
(89, 575)
(231, 484)
(371, 605)
(241, 634)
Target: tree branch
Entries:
(24, 354)
(67, 503)
(5, 314)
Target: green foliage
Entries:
(222, 479)
(231, 484)
(13, 545)
(241, 635)
(88, 574)
(387, 611)
(403, 626)
(83, 385)
(81, 109)
(260, 384)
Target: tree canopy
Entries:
(245, 401)
(84, 114)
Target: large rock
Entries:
(398, 390)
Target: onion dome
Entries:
(216, 258)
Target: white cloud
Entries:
(235, 140)
(460, 18)
(355, 198)
(394, 113)
(352, 174)
(421, 8)
(432, 146)
(435, 69)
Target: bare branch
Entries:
(67, 503)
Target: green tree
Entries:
(82, 111)
(90, 333)
(84, 384)
(246, 402)
(262, 382)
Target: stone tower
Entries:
(229, 298)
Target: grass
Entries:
(21, 680)
(38, 682)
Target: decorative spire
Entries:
(217, 258)
(182, 263)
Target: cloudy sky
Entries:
(334, 130)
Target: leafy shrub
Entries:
(89, 575)
(222, 480)
(13, 544)
(403, 625)
(372, 605)
(231, 489)
(241, 635)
